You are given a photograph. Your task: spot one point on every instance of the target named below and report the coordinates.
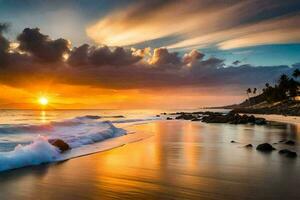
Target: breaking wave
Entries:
(77, 133)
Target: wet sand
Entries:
(183, 160)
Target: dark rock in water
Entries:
(281, 141)
(185, 116)
(118, 116)
(169, 118)
(157, 115)
(260, 121)
(232, 141)
(266, 147)
(288, 153)
(62, 145)
(290, 142)
(291, 154)
(196, 119)
(92, 116)
(249, 146)
(283, 151)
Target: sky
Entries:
(124, 54)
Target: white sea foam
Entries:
(38, 152)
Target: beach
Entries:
(281, 118)
(180, 160)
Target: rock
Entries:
(232, 141)
(157, 115)
(260, 121)
(185, 116)
(290, 142)
(249, 146)
(281, 141)
(196, 119)
(118, 116)
(92, 116)
(266, 147)
(283, 151)
(291, 154)
(169, 118)
(288, 153)
(232, 118)
(62, 145)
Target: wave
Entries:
(38, 152)
(78, 133)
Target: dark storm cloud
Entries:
(120, 68)
(86, 55)
(79, 55)
(41, 46)
(4, 44)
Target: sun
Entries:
(43, 101)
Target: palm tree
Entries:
(248, 91)
(293, 87)
(267, 85)
(296, 73)
(254, 91)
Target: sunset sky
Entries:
(143, 54)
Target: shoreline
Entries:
(279, 118)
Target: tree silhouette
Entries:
(254, 91)
(248, 91)
(296, 73)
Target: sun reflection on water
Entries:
(43, 116)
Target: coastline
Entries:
(280, 118)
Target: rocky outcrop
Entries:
(186, 116)
(216, 117)
(233, 118)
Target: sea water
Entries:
(24, 134)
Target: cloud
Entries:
(99, 56)
(41, 46)
(4, 44)
(79, 55)
(162, 57)
(277, 36)
(200, 23)
(192, 57)
(122, 68)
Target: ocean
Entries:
(137, 155)
(24, 134)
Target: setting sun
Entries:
(43, 101)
